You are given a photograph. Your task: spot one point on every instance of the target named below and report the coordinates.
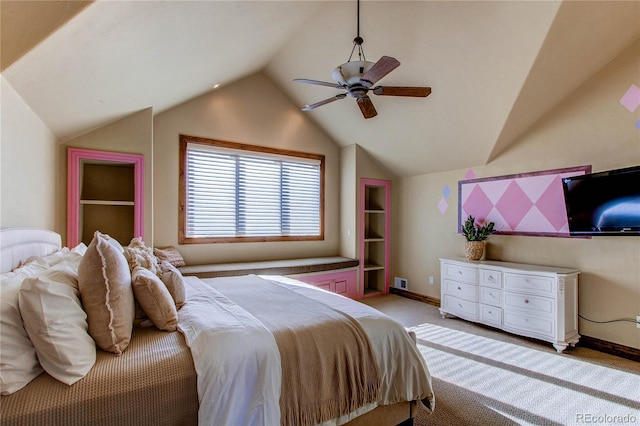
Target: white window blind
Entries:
(236, 193)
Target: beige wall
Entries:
(589, 127)
(28, 160)
(133, 135)
(252, 111)
(356, 164)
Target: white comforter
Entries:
(238, 363)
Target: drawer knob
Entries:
(459, 272)
(459, 288)
(490, 312)
(460, 304)
(490, 278)
(526, 300)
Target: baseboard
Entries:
(415, 296)
(610, 348)
(604, 346)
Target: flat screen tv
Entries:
(604, 203)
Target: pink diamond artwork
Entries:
(526, 204)
(442, 206)
(514, 204)
(631, 99)
(476, 203)
(554, 211)
(469, 174)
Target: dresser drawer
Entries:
(532, 284)
(459, 272)
(490, 315)
(541, 326)
(460, 307)
(463, 291)
(490, 278)
(490, 296)
(541, 306)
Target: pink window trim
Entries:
(74, 158)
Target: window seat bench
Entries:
(336, 274)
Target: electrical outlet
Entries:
(401, 283)
(431, 280)
(638, 321)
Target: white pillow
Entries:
(18, 361)
(56, 323)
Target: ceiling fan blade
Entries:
(384, 66)
(326, 101)
(366, 106)
(416, 92)
(318, 83)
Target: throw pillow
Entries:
(56, 323)
(154, 299)
(171, 255)
(104, 281)
(173, 279)
(18, 360)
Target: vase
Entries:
(474, 250)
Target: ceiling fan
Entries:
(359, 77)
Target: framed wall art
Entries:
(520, 204)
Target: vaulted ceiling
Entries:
(495, 67)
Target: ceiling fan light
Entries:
(350, 72)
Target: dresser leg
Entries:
(560, 347)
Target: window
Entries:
(232, 192)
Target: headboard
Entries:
(18, 244)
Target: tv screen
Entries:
(604, 203)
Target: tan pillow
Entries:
(138, 254)
(171, 255)
(104, 281)
(173, 279)
(154, 299)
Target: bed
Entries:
(234, 359)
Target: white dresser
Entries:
(528, 300)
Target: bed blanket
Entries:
(227, 341)
(328, 365)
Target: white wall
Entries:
(27, 165)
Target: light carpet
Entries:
(483, 376)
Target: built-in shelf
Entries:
(374, 237)
(105, 192)
(108, 203)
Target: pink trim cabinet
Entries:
(341, 282)
(375, 221)
(105, 192)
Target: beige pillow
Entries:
(171, 255)
(106, 294)
(18, 361)
(56, 323)
(138, 254)
(154, 299)
(173, 279)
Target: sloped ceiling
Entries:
(495, 67)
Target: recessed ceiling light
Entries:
(215, 86)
